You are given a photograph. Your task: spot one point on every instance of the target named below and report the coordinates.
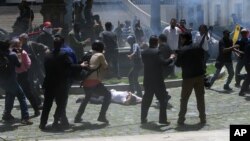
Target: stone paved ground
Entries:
(223, 109)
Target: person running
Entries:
(224, 59)
(93, 83)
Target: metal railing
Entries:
(141, 14)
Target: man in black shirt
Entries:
(58, 68)
(166, 51)
(243, 42)
(224, 58)
(190, 59)
(153, 80)
(245, 85)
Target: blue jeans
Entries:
(133, 78)
(13, 90)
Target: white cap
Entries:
(244, 30)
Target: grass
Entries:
(210, 70)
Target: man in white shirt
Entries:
(172, 32)
(120, 97)
(203, 31)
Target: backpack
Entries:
(82, 74)
(5, 69)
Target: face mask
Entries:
(48, 30)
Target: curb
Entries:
(75, 89)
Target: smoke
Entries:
(112, 12)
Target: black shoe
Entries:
(180, 121)
(77, 120)
(237, 85)
(227, 88)
(37, 113)
(168, 97)
(8, 117)
(40, 107)
(143, 121)
(1, 96)
(208, 85)
(165, 122)
(103, 119)
(56, 125)
(203, 121)
(241, 94)
(65, 123)
(42, 126)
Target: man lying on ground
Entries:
(120, 97)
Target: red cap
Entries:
(47, 24)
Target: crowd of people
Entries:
(52, 60)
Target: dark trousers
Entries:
(196, 83)
(112, 59)
(133, 79)
(246, 83)
(100, 89)
(239, 66)
(58, 93)
(167, 70)
(23, 80)
(230, 71)
(159, 90)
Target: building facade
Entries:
(215, 12)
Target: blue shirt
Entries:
(70, 52)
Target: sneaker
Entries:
(26, 122)
(8, 117)
(103, 119)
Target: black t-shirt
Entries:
(225, 56)
(243, 42)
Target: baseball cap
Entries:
(244, 30)
(47, 24)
